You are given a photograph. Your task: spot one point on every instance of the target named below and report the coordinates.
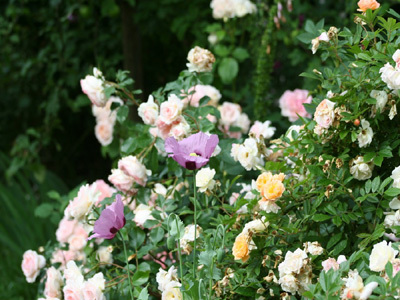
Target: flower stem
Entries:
(127, 267)
(195, 223)
(179, 250)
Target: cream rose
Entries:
(92, 86)
(82, 204)
(120, 180)
(230, 113)
(172, 291)
(361, 170)
(324, 114)
(104, 254)
(205, 179)
(104, 132)
(200, 60)
(132, 167)
(171, 109)
(31, 265)
(163, 278)
(262, 129)
(396, 177)
(54, 281)
(381, 254)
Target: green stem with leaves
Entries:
(127, 266)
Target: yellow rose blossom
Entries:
(364, 5)
(240, 248)
(273, 190)
(266, 177)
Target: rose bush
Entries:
(216, 209)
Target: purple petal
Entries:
(211, 144)
(171, 145)
(119, 212)
(194, 144)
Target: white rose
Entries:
(324, 114)
(293, 263)
(93, 288)
(396, 177)
(354, 285)
(243, 7)
(171, 109)
(31, 265)
(142, 214)
(82, 204)
(257, 225)
(73, 273)
(205, 179)
(381, 254)
(365, 135)
(248, 155)
(289, 283)
(188, 237)
(172, 291)
(269, 206)
(104, 131)
(330, 263)
(148, 111)
(243, 122)
(360, 169)
(132, 167)
(262, 129)
(313, 248)
(367, 290)
(104, 255)
(163, 278)
(180, 130)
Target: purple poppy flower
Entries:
(193, 152)
(111, 220)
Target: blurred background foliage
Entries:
(47, 137)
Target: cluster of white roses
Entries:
(130, 170)
(295, 272)
(169, 285)
(105, 121)
(75, 286)
(226, 9)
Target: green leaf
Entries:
(108, 91)
(339, 248)
(44, 210)
(375, 184)
(156, 234)
(334, 240)
(129, 145)
(320, 217)
(392, 192)
(240, 54)
(144, 295)
(122, 113)
(228, 69)
(206, 257)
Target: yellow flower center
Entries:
(193, 154)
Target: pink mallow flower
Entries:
(193, 152)
(111, 220)
(291, 104)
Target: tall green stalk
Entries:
(127, 267)
(195, 223)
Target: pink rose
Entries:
(93, 288)
(230, 113)
(78, 239)
(148, 111)
(180, 130)
(263, 129)
(132, 167)
(54, 281)
(92, 86)
(324, 114)
(104, 132)
(330, 263)
(63, 257)
(31, 265)
(163, 129)
(171, 109)
(120, 180)
(65, 229)
(291, 104)
(104, 189)
(73, 291)
(82, 204)
(233, 198)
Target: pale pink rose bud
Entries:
(120, 180)
(324, 114)
(291, 104)
(132, 167)
(330, 263)
(230, 113)
(31, 265)
(104, 132)
(65, 229)
(171, 110)
(200, 60)
(54, 281)
(93, 87)
(104, 190)
(148, 111)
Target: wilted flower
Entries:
(193, 152)
(315, 42)
(111, 220)
(200, 60)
